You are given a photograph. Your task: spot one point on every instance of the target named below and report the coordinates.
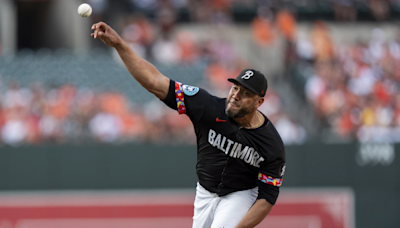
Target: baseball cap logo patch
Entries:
(248, 74)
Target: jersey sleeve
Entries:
(270, 178)
(186, 99)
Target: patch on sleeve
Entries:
(270, 180)
(180, 100)
(190, 90)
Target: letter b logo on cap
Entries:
(248, 74)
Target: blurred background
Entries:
(83, 145)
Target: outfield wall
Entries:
(370, 171)
(297, 208)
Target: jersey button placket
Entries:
(223, 173)
(238, 137)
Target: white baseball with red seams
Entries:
(85, 10)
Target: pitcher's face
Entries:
(241, 101)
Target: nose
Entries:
(235, 94)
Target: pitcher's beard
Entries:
(238, 114)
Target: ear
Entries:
(259, 102)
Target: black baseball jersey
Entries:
(229, 157)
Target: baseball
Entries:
(85, 10)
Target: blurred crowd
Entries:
(198, 11)
(69, 114)
(355, 87)
(224, 11)
(66, 113)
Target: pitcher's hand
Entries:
(106, 34)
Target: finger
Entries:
(96, 32)
(100, 28)
(101, 25)
(98, 25)
(99, 33)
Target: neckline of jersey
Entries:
(266, 121)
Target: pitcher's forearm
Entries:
(139, 68)
(143, 71)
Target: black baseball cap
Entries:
(252, 80)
